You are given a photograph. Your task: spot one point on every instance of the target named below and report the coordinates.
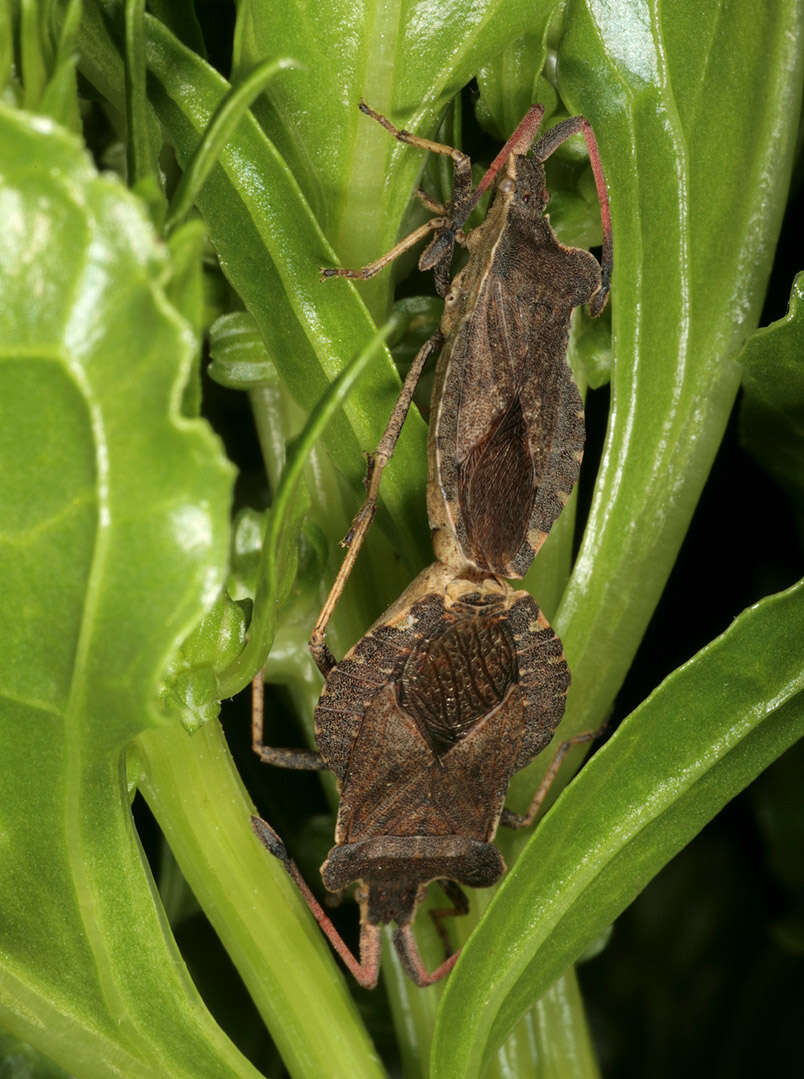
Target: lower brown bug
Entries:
(458, 685)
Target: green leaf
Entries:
(511, 83)
(217, 134)
(772, 416)
(408, 61)
(6, 43)
(140, 163)
(33, 52)
(279, 559)
(697, 187)
(701, 737)
(240, 360)
(185, 290)
(694, 227)
(114, 542)
(271, 248)
(190, 689)
(60, 96)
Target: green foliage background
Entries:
(140, 587)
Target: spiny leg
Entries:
(524, 820)
(458, 156)
(435, 207)
(301, 759)
(366, 969)
(360, 524)
(365, 272)
(408, 951)
(460, 907)
(461, 162)
(438, 254)
(546, 146)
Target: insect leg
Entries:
(547, 145)
(431, 204)
(360, 524)
(519, 141)
(460, 906)
(367, 968)
(301, 759)
(413, 140)
(524, 820)
(373, 268)
(408, 951)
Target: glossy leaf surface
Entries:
(697, 192)
(114, 542)
(772, 417)
(702, 736)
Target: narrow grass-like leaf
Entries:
(698, 740)
(6, 42)
(33, 60)
(224, 121)
(60, 96)
(272, 249)
(278, 570)
(138, 147)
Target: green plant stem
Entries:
(196, 795)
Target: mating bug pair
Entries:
(461, 682)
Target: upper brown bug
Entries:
(506, 431)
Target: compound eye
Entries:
(506, 186)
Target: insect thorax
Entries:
(450, 682)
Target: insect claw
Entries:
(269, 839)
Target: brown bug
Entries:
(506, 430)
(462, 681)
(458, 685)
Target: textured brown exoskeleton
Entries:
(506, 430)
(458, 685)
(462, 681)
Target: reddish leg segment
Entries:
(366, 970)
(460, 907)
(410, 957)
(518, 143)
(523, 135)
